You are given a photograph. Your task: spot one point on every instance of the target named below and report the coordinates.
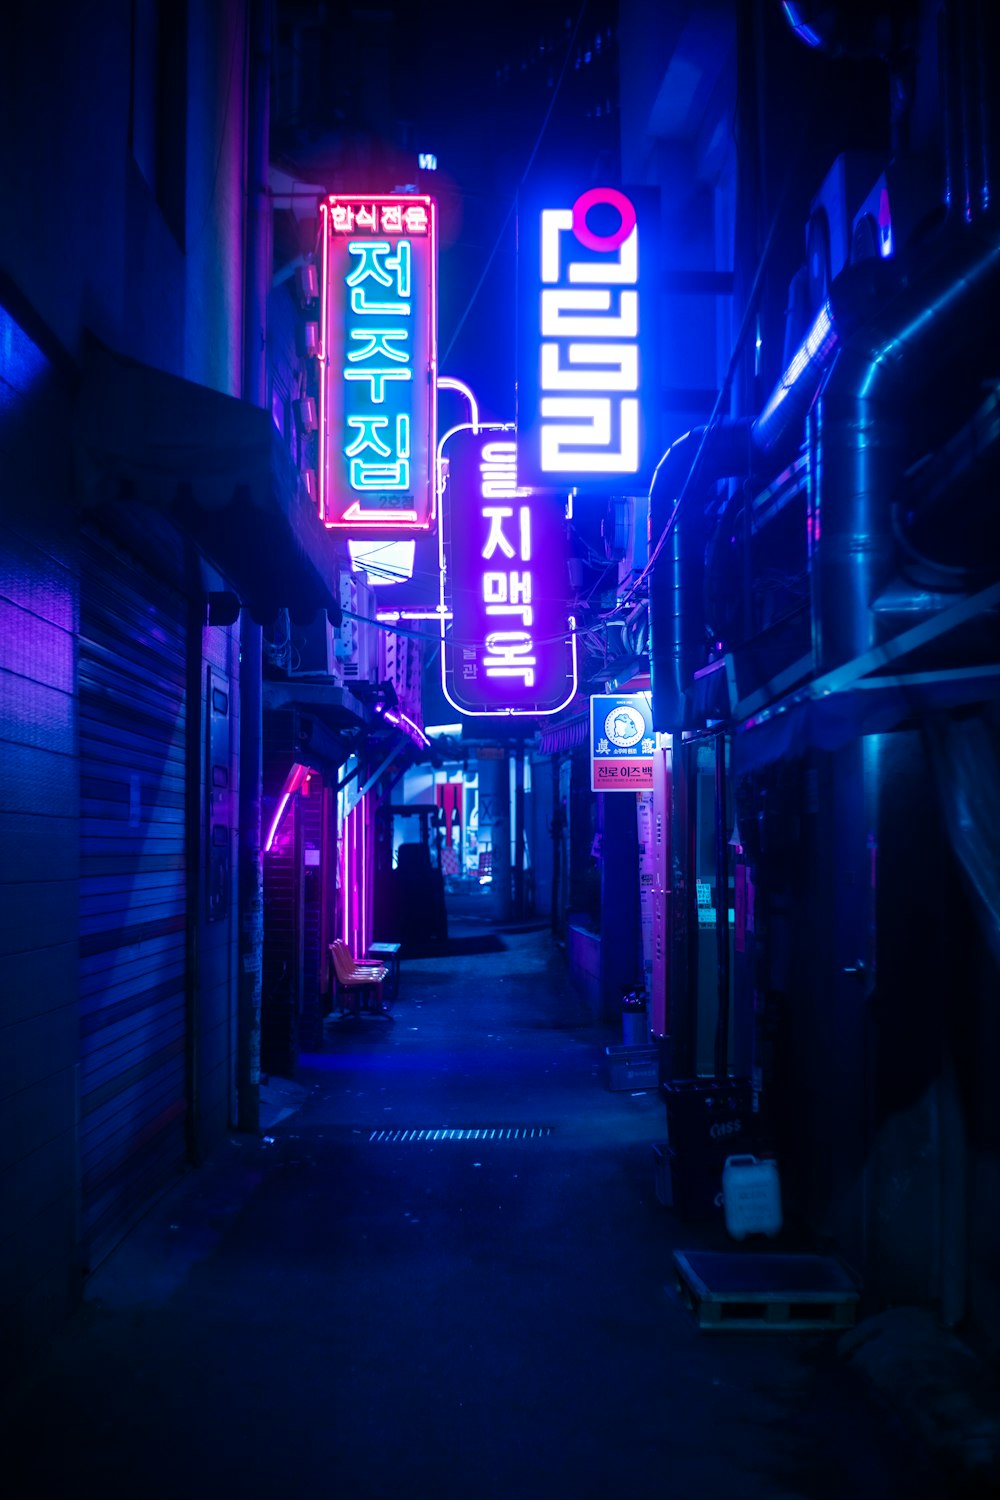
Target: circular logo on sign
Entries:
(624, 727)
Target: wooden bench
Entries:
(358, 986)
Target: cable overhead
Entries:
(524, 175)
(749, 311)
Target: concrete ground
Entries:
(321, 1312)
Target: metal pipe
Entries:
(519, 911)
(677, 580)
(721, 913)
(731, 448)
(926, 336)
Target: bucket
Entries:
(751, 1196)
(635, 1025)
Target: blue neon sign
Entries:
(587, 397)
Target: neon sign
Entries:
(583, 369)
(508, 643)
(378, 359)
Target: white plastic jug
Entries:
(751, 1196)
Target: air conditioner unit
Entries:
(355, 643)
(308, 282)
(314, 650)
(305, 412)
(400, 666)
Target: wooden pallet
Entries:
(794, 1293)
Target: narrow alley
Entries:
(345, 1308)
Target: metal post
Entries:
(558, 832)
(519, 831)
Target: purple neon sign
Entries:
(507, 640)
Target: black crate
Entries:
(691, 1185)
(703, 1115)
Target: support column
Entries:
(494, 814)
(519, 832)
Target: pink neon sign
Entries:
(378, 365)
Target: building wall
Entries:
(131, 227)
(39, 847)
(122, 131)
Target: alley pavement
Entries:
(358, 1305)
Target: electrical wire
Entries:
(748, 314)
(524, 176)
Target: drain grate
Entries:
(470, 1133)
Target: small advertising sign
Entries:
(507, 638)
(378, 365)
(622, 742)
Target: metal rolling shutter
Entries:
(133, 738)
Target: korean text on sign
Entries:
(510, 647)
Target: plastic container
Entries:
(751, 1196)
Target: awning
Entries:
(556, 739)
(217, 467)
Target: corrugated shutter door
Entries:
(133, 735)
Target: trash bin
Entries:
(635, 1027)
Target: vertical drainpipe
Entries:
(857, 447)
(721, 1053)
(257, 273)
(195, 834)
(677, 650)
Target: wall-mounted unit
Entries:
(400, 666)
(355, 642)
(314, 650)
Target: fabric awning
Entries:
(556, 739)
(218, 468)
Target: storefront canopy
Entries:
(217, 468)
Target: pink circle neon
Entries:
(582, 207)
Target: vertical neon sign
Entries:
(378, 364)
(508, 643)
(584, 370)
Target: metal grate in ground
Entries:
(462, 1133)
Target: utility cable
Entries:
(524, 176)
(748, 314)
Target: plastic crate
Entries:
(703, 1115)
(632, 1068)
